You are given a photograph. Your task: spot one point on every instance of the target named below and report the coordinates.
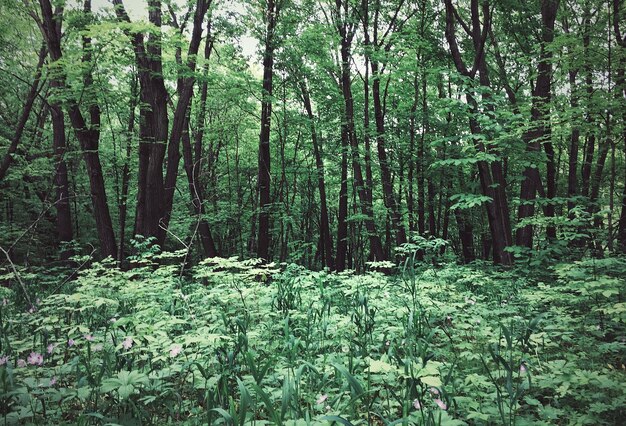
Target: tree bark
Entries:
(325, 237)
(192, 161)
(26, 110)
(87, 135)
(540, 133)
(492, 181)
(264, 179)
(376, 248)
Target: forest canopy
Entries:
(329, 134)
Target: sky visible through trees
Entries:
(493, 126)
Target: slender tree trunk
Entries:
(410, 198)
(264, 179)
(342, 224)
(26, 110)
(123, 201)
(572, 173)
(325, 237)
(87, 135)
(369, 180)
(192, 162)
(62, 199)
(376, 248)
(180, 122)
(492, 180)
(385, 170)
(621, 92)
(540, 132)
(621, 229)
(590, 139)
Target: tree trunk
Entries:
(325, 237)
(385, 170)
(123, 201)
(376, 248)
(492, 180)
(62, 199)
(180, 123)
(342, 224)
(539, 133)
(192, 162)
(28, 106)
(264, 179)
(87, 135)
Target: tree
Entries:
(492, 180)
(272, 11)
(88, 134)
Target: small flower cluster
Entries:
(35, 358)
(437, 399)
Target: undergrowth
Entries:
(236, 342)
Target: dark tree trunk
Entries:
(590, 139)
(264, 179)
(342, 224)
(421, 163)
(27, 108)
(87, 135)
(492, 180)
(385, 170)
(540, 132)
(180, 123)
(192, 163)
(62, 199)
(410, 198)
(621, 91)
(123, 201)
(466, 235)
(572, 173)
(376, 248)
(155, 192)
(325, 237)
(369, 180)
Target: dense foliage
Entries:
(374, 212)
(232, 342)
(323, 133)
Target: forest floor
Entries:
(232, 342)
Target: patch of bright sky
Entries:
(138, 10)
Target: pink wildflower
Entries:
(4, 359)
(441, 404)
(175, 350)
(32, 310)
(434, 391)
(35, 358)
(127, 343)
(416, 404)
(53, 381)
(89, 337)
(522, 369)
(21, 363)
(321, 399)
(70, 342)
(50, 348)
(112, 320)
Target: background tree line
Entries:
(358, 127)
